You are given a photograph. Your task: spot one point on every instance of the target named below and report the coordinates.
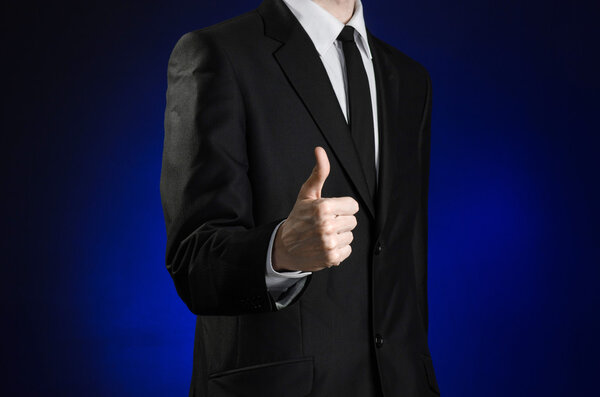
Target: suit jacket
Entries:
(248, 99)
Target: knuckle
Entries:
(332, 257)
(322, 208)
(323, 241)
(328, 243)
(326, 227)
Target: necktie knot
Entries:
(347, 34)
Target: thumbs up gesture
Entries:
(318, 231)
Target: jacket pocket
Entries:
(290, 378)
(430, 374)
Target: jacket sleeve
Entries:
(215, 252)
(420, 235)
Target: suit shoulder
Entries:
(403, 61)
(233, 30)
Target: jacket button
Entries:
(378, 248)
(378, 340)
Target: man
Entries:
(302, 283)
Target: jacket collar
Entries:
(323, 28)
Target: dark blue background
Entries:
(88, 307)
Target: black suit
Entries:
(247, 102)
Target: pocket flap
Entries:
(290, 378)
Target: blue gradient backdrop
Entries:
(88, 308)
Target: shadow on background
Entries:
(88, 307)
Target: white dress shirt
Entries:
(323, 29)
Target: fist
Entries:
(318, 231)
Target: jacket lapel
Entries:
(300, 62)
(394, 134)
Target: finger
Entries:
(344, 239)
(344, 223)
(311, 189)
(344, 253)
(340, 205)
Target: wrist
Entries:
(277, 255)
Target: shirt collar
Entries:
(323, 28)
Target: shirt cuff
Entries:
(279, 282)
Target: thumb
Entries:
(311, 189)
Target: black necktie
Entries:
(361, 112)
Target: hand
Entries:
(318, 232)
